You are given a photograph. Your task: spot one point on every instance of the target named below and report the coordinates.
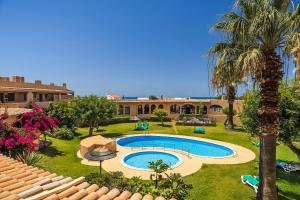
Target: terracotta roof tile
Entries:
(20, 181)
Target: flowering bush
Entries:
(37, 119)
(14, 142)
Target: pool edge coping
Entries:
(180, 151)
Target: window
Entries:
(215, 108)
(153, 107)
(173, 108)
(146, 109)
(140, 109)
(120, 110)
(161, 106)
(127, 109)
(10, 97)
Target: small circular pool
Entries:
(192, 146)
(140, 160)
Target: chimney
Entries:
(64, 85)
(51, 84)
(15, 79)
(38, 82)
(22, 79)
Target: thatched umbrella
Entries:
(100, 154)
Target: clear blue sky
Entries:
(131, 47)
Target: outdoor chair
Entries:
(250, 180)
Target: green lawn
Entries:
(211, 182)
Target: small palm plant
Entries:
(158, 167)
(29, 158)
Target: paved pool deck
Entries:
(190, 165)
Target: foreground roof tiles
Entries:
(20, 181)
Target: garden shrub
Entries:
(63, 133)
(172, 186)
(110, 180)
(15, 141)
(155, 119)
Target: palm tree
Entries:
(226, 74)
(293, 46)
(264, 27)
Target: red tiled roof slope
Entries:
(20, 181)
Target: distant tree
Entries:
(289, 115)
(65, 112)
(161, 114)
(94, 110)
(158, 167)
(249, 115)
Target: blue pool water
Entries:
(141, 160)
(195, 147)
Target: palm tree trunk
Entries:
(269, 77)
(231, 98)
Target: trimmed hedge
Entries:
(118, 120)
(155, 119)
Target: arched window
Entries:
(215, 108)
(153, 107)
(173, 108)
(127, 109)
(187, 109)
(140, 109)
(161, 106)
(121, 109)
(146, 109)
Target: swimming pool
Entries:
(192, 146)
(140, 160)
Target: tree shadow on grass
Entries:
(100, 130)
(292, 179)
(113, 135)
(51, 152)
(284, 195)
(77, 134)
(165, 125)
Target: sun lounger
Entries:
(200, 130)
(252, 181)
(146, 125)
(139, 126)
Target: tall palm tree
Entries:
(226, 74)
(264, 27)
